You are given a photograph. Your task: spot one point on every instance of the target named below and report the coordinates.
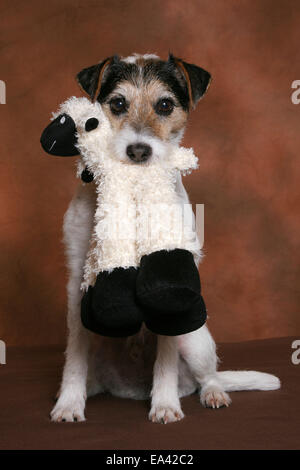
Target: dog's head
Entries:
(146, 99)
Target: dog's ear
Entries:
(90, 78)
(197, 79)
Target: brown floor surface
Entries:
(255, 420)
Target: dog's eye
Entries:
(164, 107)
(118, 105)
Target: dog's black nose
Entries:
(139, 152)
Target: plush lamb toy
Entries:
(140, 265)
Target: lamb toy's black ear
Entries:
(59, 137)
(197, 79)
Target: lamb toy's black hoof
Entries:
(178, 323)
(109, 308)
(168, 281)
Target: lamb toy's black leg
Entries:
(168, 288)
(168, 280)
(109, 308)
(176, 323)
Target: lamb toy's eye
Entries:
(62, 120)
(91, 124)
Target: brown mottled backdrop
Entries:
(245, 131)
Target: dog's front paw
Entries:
(213, 397)
(71, 410)
(165, 414)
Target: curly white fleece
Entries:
(138, 209)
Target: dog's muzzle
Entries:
(139, 152)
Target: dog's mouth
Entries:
(139, 152)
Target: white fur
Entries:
(133, 58)
(78, 224)
(233, 381)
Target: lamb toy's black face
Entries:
(59, 138)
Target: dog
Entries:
(147, 101)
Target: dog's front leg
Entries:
(77, 231)
(72, 396)
(165, 404)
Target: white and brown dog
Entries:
(147, 101)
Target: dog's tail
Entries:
(235, 380)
